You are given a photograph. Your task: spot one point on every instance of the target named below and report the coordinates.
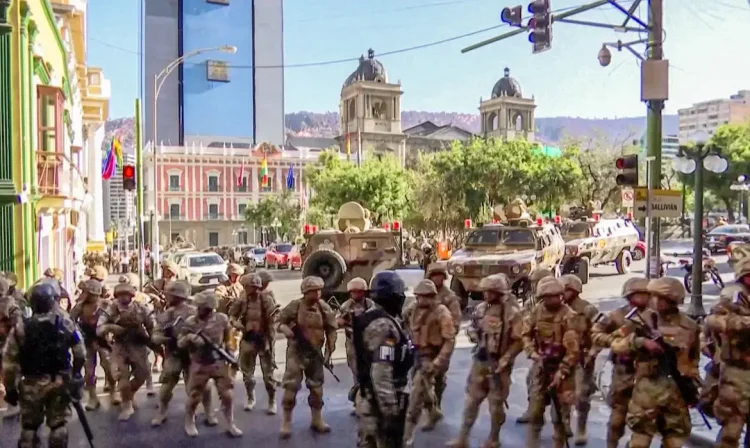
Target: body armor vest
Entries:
(45, 348)
(404, 352)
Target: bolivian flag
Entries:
(264, 172)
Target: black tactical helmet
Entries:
(388, 290)
(43, 297)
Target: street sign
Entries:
(664, 203)
(627, 197)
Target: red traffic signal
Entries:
(128, 171)
(627, 162)
(628, 165)
(128, 178)
(467, 223)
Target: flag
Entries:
(242, 173)
(108, 165)
(348, 145)
(290, 178)
(117, 150)
(264, 172)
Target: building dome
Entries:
(507, 86)
(369, 69)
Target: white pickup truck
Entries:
(203, 270)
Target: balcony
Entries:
(58, 177)
(174, 217)
(175, 188)
(241, 189)
(213, 216)
(212, 189)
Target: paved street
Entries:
(603, 290)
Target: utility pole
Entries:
(140, 240)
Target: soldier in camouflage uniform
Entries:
(205, 363)
(730, 321)
(100, 274)
(357, 304)
(253, 315)
(496, 326)
(36, 359)
(131, 325)
(229, 292)
(657, 405)
(528, 305)
(10, 316)
(584, 373)
(438, 274)
(17, 294)
(434, 337)
(550, 340)
(603, 333)
(157, 289)
(384, 358)
(315, 322)
(86, 313)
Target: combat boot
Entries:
(524, 418)
(126, 410)
(581, 438)
(92, 403)
(231, 429)
(150, 392)
(114, 397)
(433, 417)
(317, 423)
(208, 409)
(250, 403)
(190, 428)
(462, 441)
(285, 431)
(409, 427)
(161, 415)
(271, 402)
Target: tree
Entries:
(733, 143)
(282, 209)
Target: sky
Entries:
(705, 41)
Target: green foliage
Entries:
(282, 208)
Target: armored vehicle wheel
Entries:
(623, 262)
(582, 270)
(326, 264)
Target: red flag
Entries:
(242, 173)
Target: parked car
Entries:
(279, 255)
(202, 270)
(295, 258)
(719, 238)
(258, 255)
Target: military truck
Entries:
(593, 241)
(515, 246)
(353, 248)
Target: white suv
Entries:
(203, 270)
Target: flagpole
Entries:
(359, 148)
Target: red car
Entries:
(279, 255)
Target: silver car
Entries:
(258, 255)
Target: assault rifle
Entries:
(306, 347)
(551, 356)
(223, 354)
(76, 405)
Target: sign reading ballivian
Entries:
(664, 203)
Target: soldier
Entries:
(206, 364)
(496, 326)
(56, 275)
(176, 361)
(434, 336)
(584, 373)
(254, 315)
(308, 324)
(17, 294)
(730, 322)
(100, 273)
(657, 405)
(528, 305)
(10, 316)
(550, 340)
(157, 289)
(438, 273)
(603, 333)
(357, 304)
(86, 313)
(384, 358)
(131, 325)
(36, 358)
(228, 292)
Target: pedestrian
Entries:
(36, 359)
(309, 324)
(384, 358)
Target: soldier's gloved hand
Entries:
(502, 366)
(75, 388)
(429, 368)
(12, 396)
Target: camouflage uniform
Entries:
(176, 361)
(603, 334)
(229, 292)
(730, 321)
(313, 320)
(10, 316)
(438, 273)
(253, 315)
(17, 294)
(100, 273)
(205, 363)
(35, 359)
(657, 405)
(157, 289)
(496, 326)
(351, 308)
(550, 339)
(85, 313)
(434, 336)
(584, 373)
(131, 324)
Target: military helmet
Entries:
(356, 284)
(124, 288)
(235, 269)
(179, 288)
(89, 272)
(206, 299)
(425, 288)
(4, 286)
(11, 277)
(669, 288)
(43, 296)
(311, 283)
(742, 268)
(93, 287)
(49, 273)
(100, 273)
(572, 282)
(388, 290)
(495, 282)
(265, 276)
(251, 280)
(58, 273)
(549, 286)
(437, 268)
(634, 285)
(540, 274)
(170, 266)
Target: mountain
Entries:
(549, 129)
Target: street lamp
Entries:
(159, 79)
(689, 160)
(741, 186)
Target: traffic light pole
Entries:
(140, 240)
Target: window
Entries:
(213, 211)
(241, 210)
(269, 185)
(213, 239)
(242, 188)
(174, 211)
(242, 237)
(174, 182)
(49, 119)
(207, 260)
(213, 183)
(284, 248)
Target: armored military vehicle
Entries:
(515, 246)
(594, 241)
(352, 249)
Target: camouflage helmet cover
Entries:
(540, 274)
(437, 268)
(634, 285)
(495, 282)
(251, 280)
(100, 273)
(49, 273)
(311, 283)
(180, 289)
(206, 299)
(4, 286)
(572, 282)
(124, 288)
(742, 268)
(235, 269)
(11, 277)
(93, 287)
(549, 286)
(669, 288)
(170, 266)
(425, 288)
(265, 276)
(356, 284)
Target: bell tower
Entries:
(507, 114)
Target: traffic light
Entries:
(627, 167)
(512, 16)
(128, 178)
(540, 25)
